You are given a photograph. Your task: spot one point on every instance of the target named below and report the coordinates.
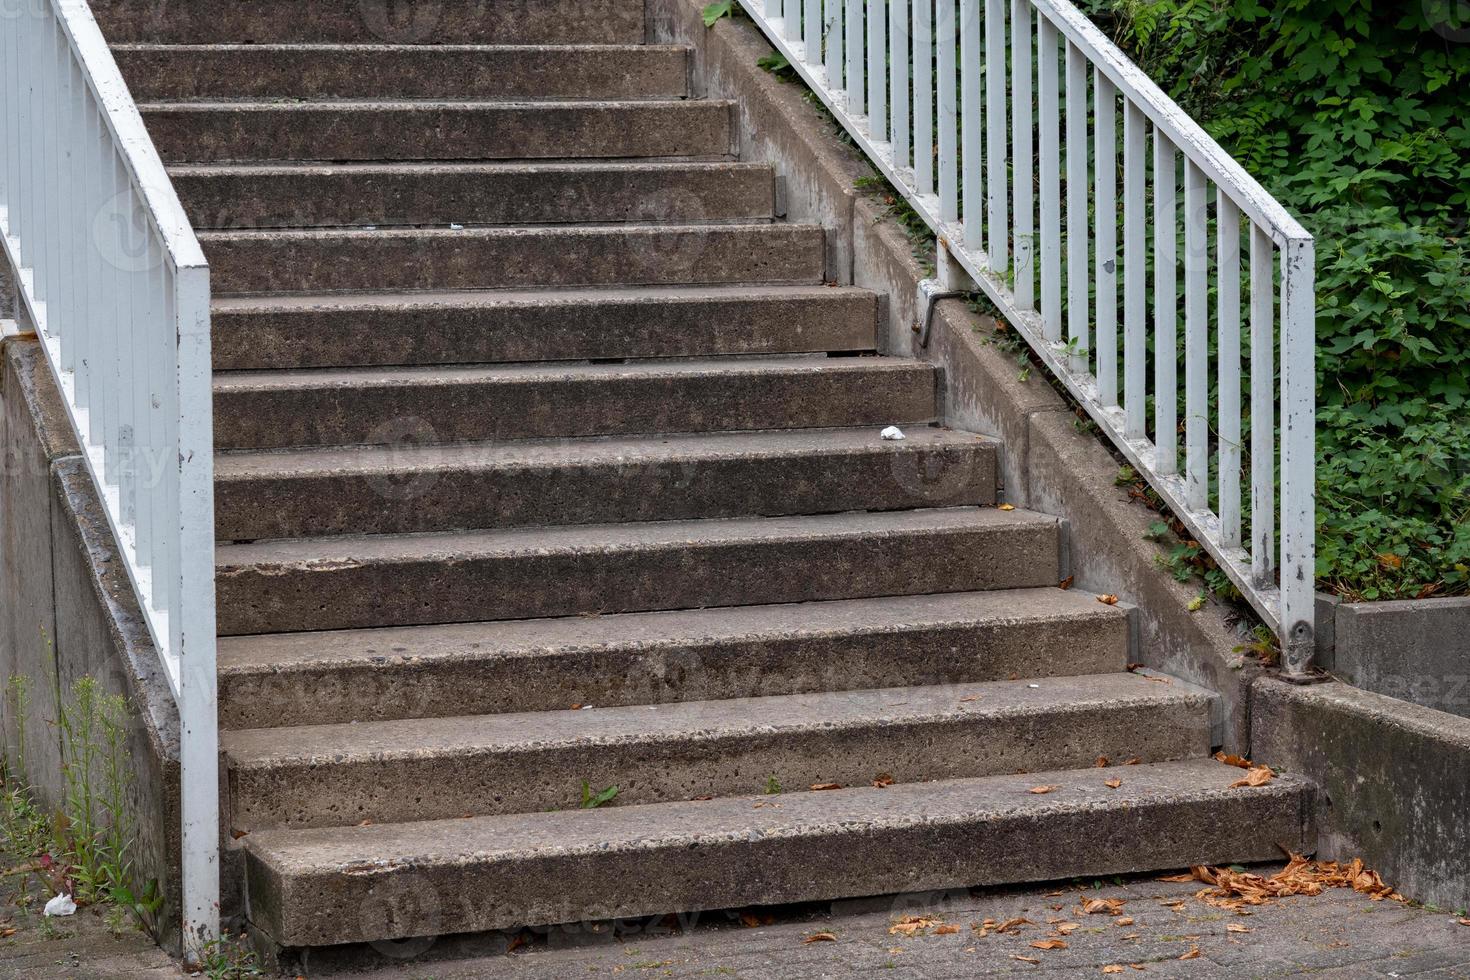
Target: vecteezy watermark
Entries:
(401, 21)
(1450, 19)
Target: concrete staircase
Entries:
(549, 457)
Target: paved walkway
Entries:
(1339, 934)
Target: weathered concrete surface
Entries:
(372, 21)
(1395, 780)
(433, 769)
(321, 260)
(218, 132)
(440, 194)
(545, 325)
(495, 872)
(521, 573)
(1338, 933)
(1416, 649)
(662, 657)
(395, 489)
(70, 612)
(370, 71)
(441, 405)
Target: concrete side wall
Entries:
(1395, 780)
(1415, 649)
(67, 610)
(1047, 463)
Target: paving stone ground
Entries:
(1337, 934)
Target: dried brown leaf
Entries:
(1232, 760)
(1025, 959)
(948, 929)
(1065, 583)
(1006, 507)
(1102, 762)
(1108, 600)
(1193, 954)
(826, 786)
(1112, 783)
(1126, 920)
(1049, 944)
(819, 937)
(1255, 776)
(1039, 790)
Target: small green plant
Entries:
(773, 786)
(716, 10)
(591, 800)
(1156, 531)
(776, 64)
(229, 959)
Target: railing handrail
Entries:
(1187, 135)
(113, 278)
(851, 70)
(125, 123)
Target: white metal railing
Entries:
(116, 286)
(961, 106)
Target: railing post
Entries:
(1298, 453)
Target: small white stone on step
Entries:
(892, 434)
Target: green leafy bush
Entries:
(1354, 115)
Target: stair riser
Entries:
(372, 21)
(524, 585)
(259, 72)
(439, 196)
(324, 336)
(555, 679)
(426, 499)
(570, 406)
(647, 771)
(221, 133)
(266, 262)
(727, 872)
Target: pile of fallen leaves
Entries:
(1236, 889)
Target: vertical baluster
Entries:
(923, 96)
(1105, 208)
(775, 10)
(44, 260)
(1050, 155)
(857, 103)
(1078, 307)
(24, 78)
(161, 452)
(1298, 450)
(99, 307)
(63, 304)
(1196, 339)
(139, 389)
(877, 70)
(1024, 271)
(811, 31)
(80, 239)
(1227, 259)
(944, 36)
(1263, 411)
(107, 231)
(996, 143)
(1166, 382)
(898, 67)
(836, 45)
(1135, 280)
(972, 131)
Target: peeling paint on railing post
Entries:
(1298, 453)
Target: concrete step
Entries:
(337, 885)
(441, 405)
(166, 72)
(222, 132)
(256, 262)
(654, 658)
(371, 22)
(528, 573)
(438, 768)
(284, 332)
(400, 489)
(440, 194)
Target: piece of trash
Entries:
(454, 227)
(61, 905)
(893, 434)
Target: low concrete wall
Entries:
(67, 610)
(1395, 780)
(1414, 649)
(1047, 463)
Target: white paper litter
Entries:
(893, 434)
(61, 905)
(456, 227)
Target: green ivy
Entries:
(1354, 115)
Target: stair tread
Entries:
(611, 538)
(537, 373)
(429, 300)
(584, 452)
(418, 105)
(522, 231)
(422, 645)
(487, 167)
(369, 46)
(684, 721)
(381, 849)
